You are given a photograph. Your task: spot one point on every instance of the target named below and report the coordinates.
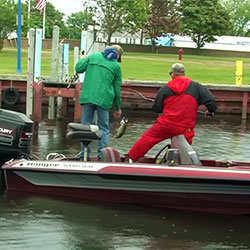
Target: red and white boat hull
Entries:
(195, 188)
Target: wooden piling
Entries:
(31, 69)
(244, 105)
(78, 108)
(38, 94)
(55, 43)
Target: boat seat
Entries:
(109, 154)
(85, 134)
(187, 156)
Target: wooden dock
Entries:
(137, 95)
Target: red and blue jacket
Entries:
(179, 101)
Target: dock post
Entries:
(38, 95)
(83, 47)
(64, 108)
(60, 64)
(244, 105)
(65, 61)
(37, 92)
(78, 108)
(30, 78)
(76, 57)
(38, 55)
(239, 72)
(55, 42)
(62, 102)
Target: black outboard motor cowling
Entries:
(15, 135)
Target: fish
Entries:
(122, 128)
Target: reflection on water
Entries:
(221, 137)
(32, 222)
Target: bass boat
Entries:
(175, 178)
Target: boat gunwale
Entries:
(185, 171)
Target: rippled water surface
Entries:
(34, 222)
(221, 137)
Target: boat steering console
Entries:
(179, 152)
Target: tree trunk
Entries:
(141, 38)
(109, 38)
(1, 43)
(153, 45)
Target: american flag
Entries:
(40, 5)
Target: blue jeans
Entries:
(88, 111)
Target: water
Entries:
(221, 137)
(36, 222)
(31, 222)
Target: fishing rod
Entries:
(140, 94)
(123, 124)
(199, 112)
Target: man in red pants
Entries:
(178, 102)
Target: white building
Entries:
(233, 43)
(119, 37)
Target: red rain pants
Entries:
(155, 134)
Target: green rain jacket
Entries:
(102, 81)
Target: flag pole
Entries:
(44, 10)
(19, 31)
(29, 14)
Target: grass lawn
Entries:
(146, 66)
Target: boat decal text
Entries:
(41, 164)
(6, 131)
(59, 165)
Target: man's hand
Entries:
(118, 113)
(208, 113)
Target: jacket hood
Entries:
(110, 53)
(179, 84)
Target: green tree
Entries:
(239, 13)
(202, 20)
(164, 18)
(137, 20)
(77, 22)
(118, 15)
(8, 10)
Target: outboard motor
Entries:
(15, 135)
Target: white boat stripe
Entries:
(96, 166)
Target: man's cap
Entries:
(118, 48)
(177, 68)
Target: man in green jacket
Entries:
(101, 89)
